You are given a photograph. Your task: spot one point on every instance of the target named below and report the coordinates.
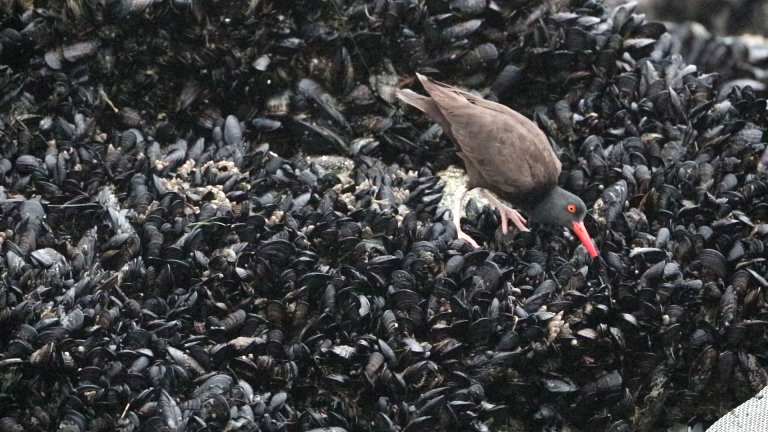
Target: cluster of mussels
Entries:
(738, 60)
(171, 261)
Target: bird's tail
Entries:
(427, 105)
(424, 103)
(410, 97)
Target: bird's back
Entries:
(503, 150)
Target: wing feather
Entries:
(507, 149)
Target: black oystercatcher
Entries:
(504, 153)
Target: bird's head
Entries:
(560, 207)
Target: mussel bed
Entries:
(172, 260)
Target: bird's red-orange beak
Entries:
(581, 233)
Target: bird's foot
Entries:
(464, 236)
(506, 213)
(457, 198)
(513, 215)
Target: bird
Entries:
(506, 155)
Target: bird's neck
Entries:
(539, 204)
(533, 199)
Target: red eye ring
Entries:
(571, 208)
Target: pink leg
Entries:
(458, 197)
(506, 213)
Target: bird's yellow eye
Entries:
(572, 208)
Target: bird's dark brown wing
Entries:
(509, 151)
